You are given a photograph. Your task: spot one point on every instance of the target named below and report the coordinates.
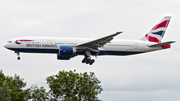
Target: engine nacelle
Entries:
(66, 52)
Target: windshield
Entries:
(9, 41)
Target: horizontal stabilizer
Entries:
(162, 44)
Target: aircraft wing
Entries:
(94, 44)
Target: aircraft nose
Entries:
(5, 45)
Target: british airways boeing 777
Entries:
(67, 48)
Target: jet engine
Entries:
(66, 52)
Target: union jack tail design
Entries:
(157, 32)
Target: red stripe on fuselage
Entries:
(25, 40)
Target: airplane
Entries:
(67, 48)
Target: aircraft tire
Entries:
(87, 61)
(93, 60)
(18, 58)
(83, 61)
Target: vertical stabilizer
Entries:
(157, 32)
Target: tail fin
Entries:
(157, 32)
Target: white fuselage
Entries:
(52, 45)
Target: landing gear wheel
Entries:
(84, 60)
(18, 58)
(92, 61)
(87, 59)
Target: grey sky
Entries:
(151, 76)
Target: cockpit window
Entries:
(9, 41)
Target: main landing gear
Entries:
(87, 59)
(18, 54)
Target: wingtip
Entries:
(119, 32)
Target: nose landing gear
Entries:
(18, 54)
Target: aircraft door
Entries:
(135, 46)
